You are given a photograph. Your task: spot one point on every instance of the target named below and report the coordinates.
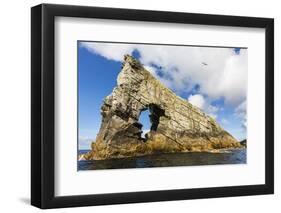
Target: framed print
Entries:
(139, 106)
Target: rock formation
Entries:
(176, 125)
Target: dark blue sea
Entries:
(238, 156)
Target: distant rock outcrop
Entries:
(244, 143)
(176, 125)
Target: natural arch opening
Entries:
(145, 121)
(149, 118)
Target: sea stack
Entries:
(176, 125)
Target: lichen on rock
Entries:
(176, 125)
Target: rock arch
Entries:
(177, 126)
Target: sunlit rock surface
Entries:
(176, 125)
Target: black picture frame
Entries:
(43, 102)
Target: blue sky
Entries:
(202, 75)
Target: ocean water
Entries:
(238, 156)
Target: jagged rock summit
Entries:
(176, 125)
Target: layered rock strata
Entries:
(176, 125)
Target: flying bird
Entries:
(205, 64)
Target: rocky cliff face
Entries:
(176, 125)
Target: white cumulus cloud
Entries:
(219, 72)
(241, 112)
(85, 143)
(199, 101)
(110, 51)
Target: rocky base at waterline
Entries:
(176, 125)
(155, 147)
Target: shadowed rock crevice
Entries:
(155, 113)
(176, 125)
